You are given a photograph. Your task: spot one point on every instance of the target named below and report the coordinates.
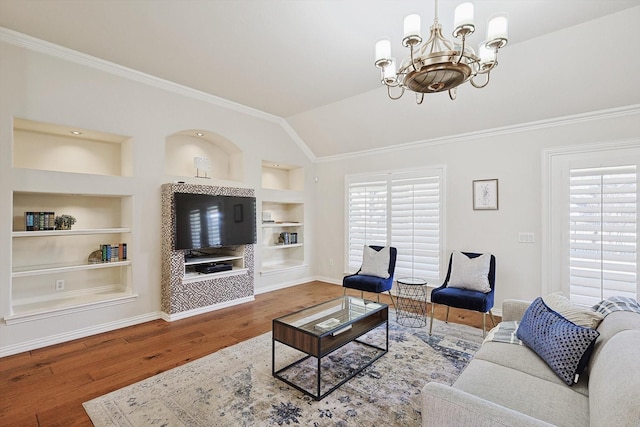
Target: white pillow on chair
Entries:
(375, 263)
(470, 273)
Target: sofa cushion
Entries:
(582, 316)
(614, 382)
(470, 273)
(552, 402)
(565, 346)
(522, 358)
(611, 325)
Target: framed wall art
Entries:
(485, 194)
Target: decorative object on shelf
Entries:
(202, 164)
(284, 238)
(266, 217)
(64, 222)
(438, 64)
(485, 194)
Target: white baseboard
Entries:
(79, 333)
(203, 310)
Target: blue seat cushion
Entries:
(362, 282)
(463, 298)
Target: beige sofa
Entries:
(510, 385)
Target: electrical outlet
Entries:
(60, 285)
(331, 261)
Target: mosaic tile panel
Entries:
(179, 297)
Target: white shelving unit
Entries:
(282, 213)
(51, 274)
(278, 252)
(191, 275)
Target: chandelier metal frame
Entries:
(439, 65)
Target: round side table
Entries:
(412, 302)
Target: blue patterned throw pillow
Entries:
(563, 345)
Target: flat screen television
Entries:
(207, 221)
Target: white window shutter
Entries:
(415, 226)
(367, 218)
(400, 209)
(602, 233)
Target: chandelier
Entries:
(438, 64)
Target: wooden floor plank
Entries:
(46, 387)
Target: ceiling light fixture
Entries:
(439, 64)
(75, 132)
(199, 134)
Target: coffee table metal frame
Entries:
(320, 330)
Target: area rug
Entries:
(235, 387)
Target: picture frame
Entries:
(485, 194)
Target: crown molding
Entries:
(42, 46)
(519, 128)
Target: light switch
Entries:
(526, 237)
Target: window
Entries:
(400, 209)
(602, 233)
(592, 240)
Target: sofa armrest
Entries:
(513, 309)
(444, 406)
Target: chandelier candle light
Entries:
(439, 64)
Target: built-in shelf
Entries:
(53, 272)
(41, 270)
(65, 304)
(279, 176)
(282, 267)
(289, 246)
(71, 232)
(283, 223)
(209, 259)
(190, 274)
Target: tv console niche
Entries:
(197, 281)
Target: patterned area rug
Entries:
(234, 386)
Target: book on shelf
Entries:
(112, 253)
(39, 221)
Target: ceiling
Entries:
(307, 61)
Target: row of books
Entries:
(35, 221)
(112, 253)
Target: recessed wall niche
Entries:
(224, 157)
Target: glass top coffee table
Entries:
(323, 329)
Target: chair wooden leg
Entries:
(433, 310)
(484, 324)
(392, 301)
(446, 319)
(492, 319)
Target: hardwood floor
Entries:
(46, 387)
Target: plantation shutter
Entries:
(367, 218)
(602, 233)
(400, 209)
(415, 226)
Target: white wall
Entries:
(78, 92)
(513, 156)
(557, 90)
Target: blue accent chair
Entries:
(374, 284)
(465, 298)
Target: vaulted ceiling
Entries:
(310, 62)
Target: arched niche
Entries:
(183, 147)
